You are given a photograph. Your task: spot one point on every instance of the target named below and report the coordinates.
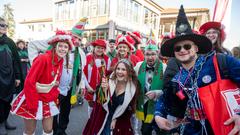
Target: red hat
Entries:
(61, 36)
(216, 25)
(136, 36)
(99, 42)
(126, 39)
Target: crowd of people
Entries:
(188, 85)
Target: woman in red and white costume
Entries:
(137, 37)
(38, 100)
(125, 47)
(93, 68)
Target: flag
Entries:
(220, 10)
(222, 13)
(151, 39)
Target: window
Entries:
(121, 11)
(102, 34)
(40, 28)
(94, 11)
(85, 8)
(93, 35)
(153, 20)
(31, 28)
(129, 10)
(65, 10)
(103, 7)
(71, 9)
(146, 16)
(150, 18)
(58, 12)
(135, 12)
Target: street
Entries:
(78, 119)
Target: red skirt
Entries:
(45, 109)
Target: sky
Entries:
(43, 9)
(187, 4)
(38, 8)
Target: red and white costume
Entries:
(93, 68)
(92, 71)
(126, 39)
(30, 104)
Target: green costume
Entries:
(157, 84)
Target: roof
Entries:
(187, 10)
(155, 4)
(37, 20)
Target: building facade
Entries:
(196, 17)
(108, 18)
(37, 29)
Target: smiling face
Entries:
(185, 51)
(62, 49)
(121, 72)
(213, 35)
(21, 45)
(98, 50)
(123, 49)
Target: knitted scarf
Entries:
(157, 83)
(76, 66)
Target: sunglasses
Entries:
(185, 46)
(3, 25)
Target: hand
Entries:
(151, 95)
(26, 60)
(104, 84)
(57, 83)
(90, 90)
(236, 120)
(154, 95)
(113, 124)
(163, 123)
(17, 83)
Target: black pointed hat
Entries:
(184, 32)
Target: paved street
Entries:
(78, 118)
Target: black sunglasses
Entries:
(3, 25)
(185, 46)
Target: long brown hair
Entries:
(54, 51)
(218, 45)
(132, 77)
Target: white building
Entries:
(107, 18)
(36, 29)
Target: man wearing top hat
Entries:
(183, 102)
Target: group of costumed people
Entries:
(126, 88)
